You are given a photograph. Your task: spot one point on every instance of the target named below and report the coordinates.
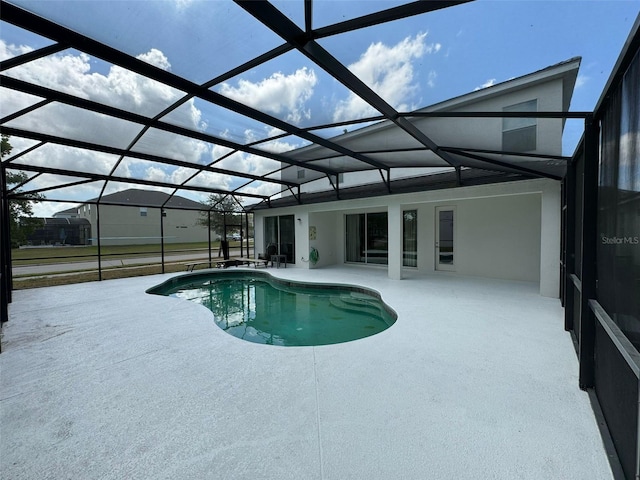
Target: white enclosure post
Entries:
(394, 219)
(550, 241)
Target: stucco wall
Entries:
(125, 226)
(497, 237)
(459, 132)
(502, 230)
(326, 241)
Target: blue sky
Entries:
(411, 63)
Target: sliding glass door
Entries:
(288, 238)
(355, 234)
(367, 238)
(279, 235)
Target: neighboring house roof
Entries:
(57, 221)
(73, 211)
(147, 198)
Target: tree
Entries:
(21, 220)
(224, 209)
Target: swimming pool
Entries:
(259, 308)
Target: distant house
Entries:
(68, 213)
(133, 217)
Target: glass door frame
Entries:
(438, 247)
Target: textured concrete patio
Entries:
(476, 380)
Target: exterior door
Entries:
(445, 238)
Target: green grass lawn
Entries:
(69, 254)
(67, 278)
(66, 254)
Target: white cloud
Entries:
(120, 88)
(254, 164)
(431, 79)
(248, 163)
(59, 156)
(47, 209)
(487, 84)
(155, 174)
(211, 180)
(183, 4)
(71, 73)
(581, 80)
(155, 57)
(388, 71)
(284, 96)
(9, 50)
(259, 188)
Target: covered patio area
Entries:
(476, 379)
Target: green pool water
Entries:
(261, 309)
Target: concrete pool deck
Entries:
(476, 380)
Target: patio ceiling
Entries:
(111, 143)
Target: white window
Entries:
(143, 211)
(520, 134)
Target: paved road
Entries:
(117, 262)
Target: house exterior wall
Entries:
(507, 230)
(120, 225)
(504, 230)
(487, 132)
(483, 133)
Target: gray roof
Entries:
(68, 211)
(148, 198)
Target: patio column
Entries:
(394, 220)
(550, 241)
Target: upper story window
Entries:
(520, 134)
(143, 211)
(301, 173)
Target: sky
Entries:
(411, 63)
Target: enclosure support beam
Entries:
(5, 249)
(162, 238)
(589, 244)
(209, 234)
(569, 244)
(99, 243)
(394, 227)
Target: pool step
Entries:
(350, 303)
